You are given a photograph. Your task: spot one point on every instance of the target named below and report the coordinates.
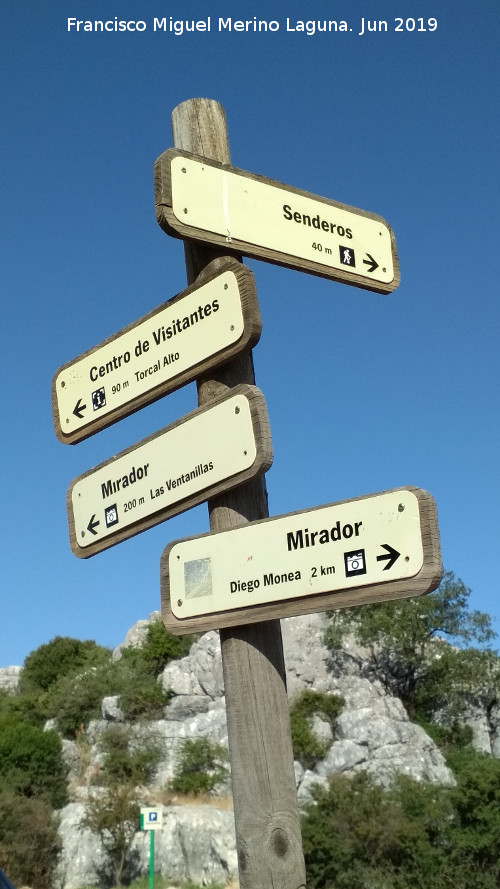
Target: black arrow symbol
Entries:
(92, 525)
(371, 262)
(392, 555)
(79, 408)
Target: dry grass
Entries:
(168, 798)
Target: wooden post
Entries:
(266, 814)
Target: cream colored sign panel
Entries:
(249, 209)
(328, 549)
(148, 356)
(165, 474)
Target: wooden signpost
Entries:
(268, 839)
(212, 449)
(370, 549)
(198, 329)
(199, 199)
(251, 569)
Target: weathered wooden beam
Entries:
(266, 814)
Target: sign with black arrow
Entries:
(198, 329)
(389, 557)
(211, 450)
(371, 549)
(203, 200)
(79, 409)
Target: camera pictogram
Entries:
(355, 563)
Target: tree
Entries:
(114, 815)
(61, 656)
(113, 810)
(417, 646)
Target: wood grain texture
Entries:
(250, 336)
(262, 462)
(179, 229)
(422, 583)
(266, 814)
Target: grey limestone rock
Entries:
(111, 710)
(196, 844)
(372, 733)
(373, 730)
(199, 674)
(136, 636)
(9, 679)
(82, 856)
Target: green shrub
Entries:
(141, 695)
(29, 707)
(67, 680)
(31, 762)
(306, 746)
(414, 835)
(28, 840)
(200, 767)
(449, 738)
(75, 699)
(359, 835)
(114, 816)
(60, 657)
(128, 760)
(159, 648)
(10, 709)
(475, 835)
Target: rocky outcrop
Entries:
(137, 635)
(372, 733)
(195, 845)
(9, 679)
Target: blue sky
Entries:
(365, 392)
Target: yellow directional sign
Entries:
(196, 330)
(211, 450)
(385, 546)
(249, 214)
